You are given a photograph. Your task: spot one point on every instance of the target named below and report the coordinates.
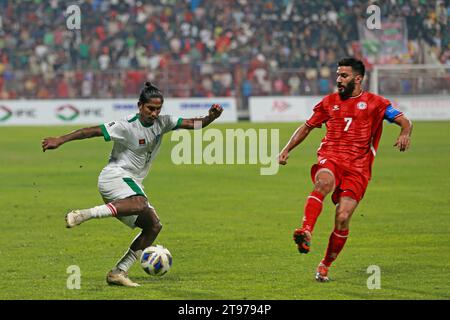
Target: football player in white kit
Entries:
(136, 143)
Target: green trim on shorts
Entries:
(105, 133)
(180, 120)
(130, 182)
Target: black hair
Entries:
(150, 91)
(357, 65)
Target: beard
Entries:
(345, 92)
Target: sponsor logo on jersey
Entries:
(335, 108)
(361, 105)
(141, 142)
(111, 124)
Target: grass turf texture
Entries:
(228, 228)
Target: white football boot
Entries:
(120, 278)
(74, 218)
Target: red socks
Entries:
(313, 208)
(335, 245)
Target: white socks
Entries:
(128, 260)
(103, 211)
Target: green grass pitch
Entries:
(229, 228)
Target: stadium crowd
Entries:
(196, 47)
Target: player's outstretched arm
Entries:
(214, 112)
(84, 133)
(404, 139)
(299, 135)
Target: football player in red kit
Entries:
(354, 122)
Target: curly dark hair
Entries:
(357, 65)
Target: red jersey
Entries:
(354, 129)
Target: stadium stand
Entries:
(197, 48)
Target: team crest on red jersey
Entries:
(361, 105)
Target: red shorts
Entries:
(347, 183)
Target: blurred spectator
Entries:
(294, 85)
(279, 88)
(247, 90)
(194, 47)
(325, 84)
(62, 89)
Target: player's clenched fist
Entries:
(215, 111)
(51, 143)
(282, 157)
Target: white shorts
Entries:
(115, 184)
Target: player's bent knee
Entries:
(140, 203)
(324, 186)
(156, 228)
(343, 217)
(148, 221)
(152, 228)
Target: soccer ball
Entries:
(156, 260)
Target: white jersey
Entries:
(136, 145)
